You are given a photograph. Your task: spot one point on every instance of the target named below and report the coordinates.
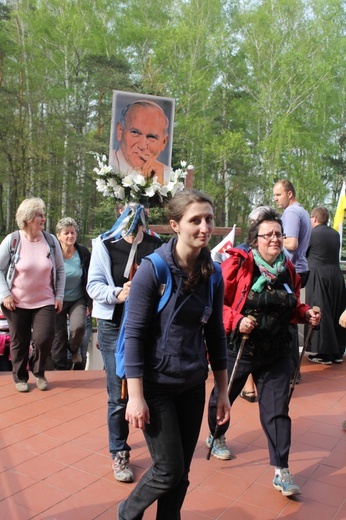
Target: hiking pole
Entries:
(306, 344)
(231, 380)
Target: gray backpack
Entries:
(14, 250)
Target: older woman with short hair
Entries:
(32, 281)
(76, 300)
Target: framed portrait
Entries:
(141, 133)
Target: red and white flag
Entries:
(218, 253)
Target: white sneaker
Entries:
(22, 386)
(41, 383)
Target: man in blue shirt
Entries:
(297, 228)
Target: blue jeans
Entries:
(118, 427)
(175, 421)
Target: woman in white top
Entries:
(32, 281)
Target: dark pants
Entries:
(294, 347)
(272, 381)
(72, 339)
(26, 324)
(86, 340)
(293, 329)
(171, 436)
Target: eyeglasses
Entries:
(270, 236)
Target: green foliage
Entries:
(259, 89)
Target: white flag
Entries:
(218, 253)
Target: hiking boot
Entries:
(41, 383)
(22, 386)
(219, 449)
(121, 467)
(284, 483)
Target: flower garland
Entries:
(134, 187)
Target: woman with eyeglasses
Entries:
(262, 283)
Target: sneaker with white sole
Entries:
(121, 467)
(338, 360)
(22, 386)
(41, 383)
(320, 360)
(284, 483)
(219, 449)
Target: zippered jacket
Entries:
(84, 255)
(172, 347)
(100, 286)
(237, 273)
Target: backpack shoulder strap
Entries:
(164, 277)
(14, 244)
(215, 279)
(50, 241)
(15, 239)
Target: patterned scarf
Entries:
(269, 274)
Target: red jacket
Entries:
(237, 273)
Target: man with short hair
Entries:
(326, 288)
(297, 228)
(143, 134)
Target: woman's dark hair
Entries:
(176, 209)
(267, 215)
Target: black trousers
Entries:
(272, 379)
(175, 421)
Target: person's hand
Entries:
(153, 168)
(313, 317)
(137, 413)
(9, 303)
(223, 410)
(342, 319)
(58, 306)
(125, 291)
(247, 325)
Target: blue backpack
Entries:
(163, 275)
